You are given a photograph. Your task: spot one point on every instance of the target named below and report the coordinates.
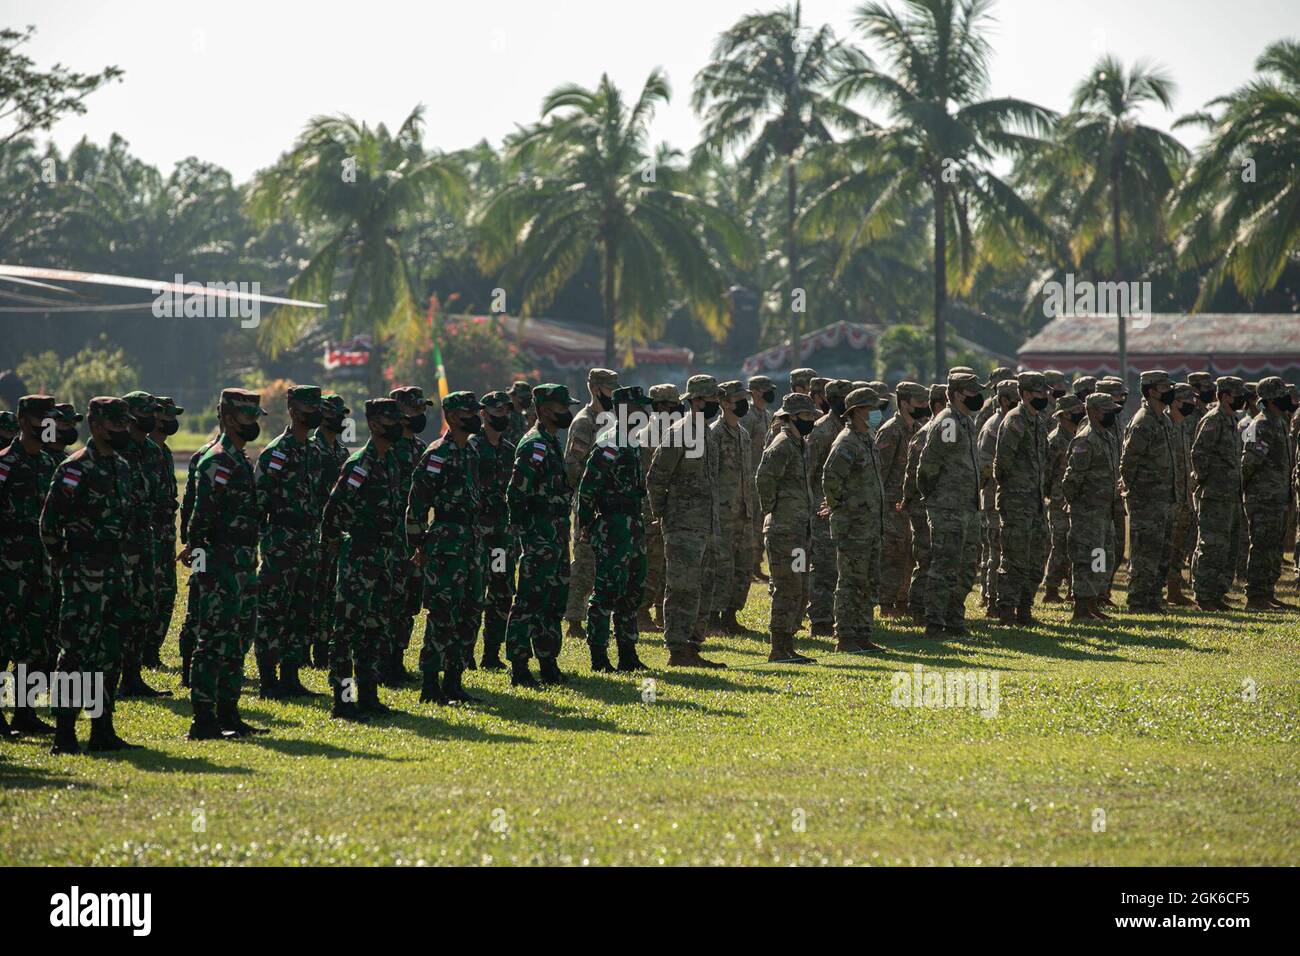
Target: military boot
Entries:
(782, 650)
(520, 675)
(453, 691)
(1094, 608)
(1025, 616)
(821, 629)
(679, 656)
(291, 685)
(133, 684)
(492, 659)
(846, 645)
(550, 671)
(600, 660)
(26, 722)
(628, 660)
(1081, 612)
(576, 630)
(935, 632)
(65, 732)
(345, 709)
(104, 738)
(1259, 604)
(230, 720)
(5, 731)
(151, 658)
(727, 623)
(796, 657)
(268, 684)
(368, 701)
(430, 691)
(645, 622)
(1277, 605)
(1052, 595)
(1176, 596)
(187, 663)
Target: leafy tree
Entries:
(32, 99)
(89, 373)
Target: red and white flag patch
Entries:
(357, 477)
(434, 466)
(71, 478)
(222, 475)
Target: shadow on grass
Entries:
(620, 689)
(15, 777)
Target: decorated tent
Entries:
(569, 349)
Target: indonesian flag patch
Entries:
(222, 475)
(278, 459)
(4, 471)
(358, 475)
(610, 454)
(71, 478)
(434, 466)
(539, 451)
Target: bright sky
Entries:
(233, 82)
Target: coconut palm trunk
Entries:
(792, 251)
(940, 277)
(608, 302)
(1117, 239)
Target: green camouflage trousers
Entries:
(857, 583)
(1058, 557)
(954, 553)
(822, 574)
(1022, 542)
(582, 578)
(689, 560)
(1180, 523)
(653, 595)
(1149, 526)
(731, 572)
(500, 558)
(451, 576)
(895, 556)
(164, 567)
(138, 630)
(25, 596)
(1264, 564)
(325, 571)
(1212, 562)
(787, 580)
(991, 549)
(363, 598)
(95, 609)
(543, 592)
(284, 588)
(408, 597)
(222, 632)
(920, 559)
(618, 546)
(1089, 556)
(193, 601)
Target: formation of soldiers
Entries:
(655, 514)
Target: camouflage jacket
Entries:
(683, 477)
(948, 474)
(892, 441)
(911, 493)
(1020, 461)
(1058, 447)
(612, 488)
(854, 490)
(187, 502)
(539, 496)
(145, 495)
(226, 511)
(1216, 456)
(332, 457)
(819, 444)
(1266, 461)
(87, 509)
(495, 462)
(24, 483)
(366, 503)
(581, 436)
(1148, 462)
(517, 427)
(289, 472)
(783, 491)
(1089, 481)
(446, 481)
(987, 446)
(165, 519)
(735, 472)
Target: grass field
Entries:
(1152, 723)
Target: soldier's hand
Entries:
(898, 506)
(824, 511)
(418, 557)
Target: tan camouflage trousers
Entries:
(1264, 564)
(1212, 563)
(895, 556)
(787, 563)
(920, 559)
(1180, 523)
(653, 596)
(1089, 556)
(857, 584)
(1149, 527)
(731, 572)
(582, 579)
(1022, 542)
(954, 552)
(990, 543)
(1058, 557)
(688, 591)
(822, 575)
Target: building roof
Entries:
(569, 345)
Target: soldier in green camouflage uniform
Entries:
(149, 500)
(1216, 489)
(333, 453)
(84, 521)
(1152, 484)
(498, 544)
(735, 505)
(288, 475)
(1266, 467)
(610, 515)
(1089, 486)
(601, 383)
(1117, 536)
(66, 420)
(164, 526)
(786, 500)
(538, 504)
(406, 605)
(823, 572)
(1180, 521)
(221, 552)
(522, 414)
(914, 508)
(363, 524)
(8, 428)
(1069, 413)
(855, 503)
(25, 577)
(666, 401)
(891, 440)
(1020, 469)
(193, 599)
(446, 482)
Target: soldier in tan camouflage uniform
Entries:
(823, 573)
(1216, 489)
(786, 501)
(601, 383)
(522, 413)
(757, 423)
(735, 507)
(1117, 537)
(856, 503)
(1006, 395)
(1180, 518)
(1153, 484)
(1089, 487)
(914, 508)
(1267, 463)
(1020, 469)
(665, 401)
(683, 489)
(892, 440)
(801, 382)
(1070, 412)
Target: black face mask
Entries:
(564, 419)
(837, 406)
(66, 436)
(803, 426)
(884, 407)
(249, 432)
(334, 425)
(1057, 393)
(1285, 405)
(769, 396)
(921, 414)
(472, 425)
(1186, 408)
(417, 423)
(118, 441)
(711, 410)
(169, 427)
(1206, 397)
(973, 402)
(1077, 417)
(312, 419)
(606, 402)
(1166, 398)
(1239, 403)
(1108, 419)
(499, 423)
(390, 433)
(1039, 403)
(741, 407)
(145, 423)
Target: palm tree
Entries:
(595, 185)
(941, 135)
(356, 188)
(1240, 202)
(1124, 170)
(766, 89)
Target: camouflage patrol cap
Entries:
(36, 405)
(802, 377)
(242, 400)
(383, 408)
(760, 383)
(1056, 380)
(1102, 402)
(838, 388)
(167, 405)
(461, 401)
(635, 395)
(308, 395)
(1084, 385)
(1068, 403)
(66, 413)
(8, 422)
(521, 389)
(881, 389)
(864, 397)
(1199, 380)
(140, 403)
(819, 383)
(701, 386)
(731, 389)
(912, 392)
(603, 377)
(1183, 390)
(1252, 389)
(551, 392)
(1031, 381)
(1154, 376)
(794, 404)
(410, 396)
(1111, 386)
(958, 379)
(938, 393)
(108, 408)
(335, 407)
(667, 392)
(496, 399)
(1001, 374)
(1229, 383)
(1270, 388)
(1008, 388)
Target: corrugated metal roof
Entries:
(1170, 335)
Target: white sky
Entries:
(234, 82)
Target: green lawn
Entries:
(1148, 722)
